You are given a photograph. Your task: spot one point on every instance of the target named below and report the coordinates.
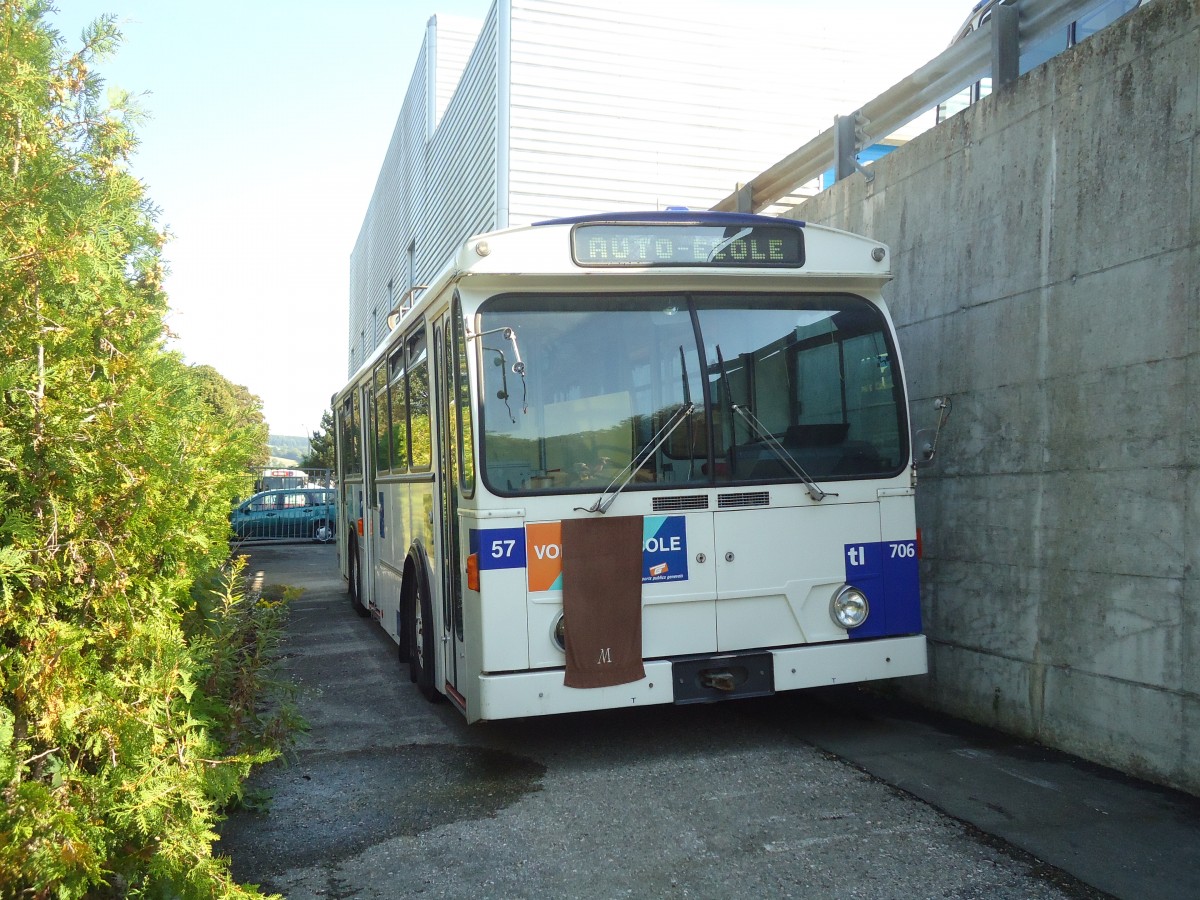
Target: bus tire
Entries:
(354, 579)
(421, 665)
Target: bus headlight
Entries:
(558, 633)
(849, 607)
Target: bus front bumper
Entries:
(540, 693)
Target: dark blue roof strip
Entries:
(676, 217)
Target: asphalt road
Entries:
(833, 793)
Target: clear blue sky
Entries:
(268, 123)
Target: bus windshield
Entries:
(773, 382)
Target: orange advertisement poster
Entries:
(543, 542)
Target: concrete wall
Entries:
(1045, 245)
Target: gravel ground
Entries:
(389, 796)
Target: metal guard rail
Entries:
(960, 65)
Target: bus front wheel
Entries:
(420, 636)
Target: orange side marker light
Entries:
(473, 571)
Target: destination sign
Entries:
(649, 244)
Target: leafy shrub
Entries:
(129, 711)
(236, 632)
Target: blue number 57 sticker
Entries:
(499, 548)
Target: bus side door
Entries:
(368, 552)
(449, 374)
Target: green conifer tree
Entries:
(115, 478)
(320, 446)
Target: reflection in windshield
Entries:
(605, 374)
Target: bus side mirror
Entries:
(925, 439)
(924, 447)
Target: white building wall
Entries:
(635, 105)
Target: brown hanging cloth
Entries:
(602, 601)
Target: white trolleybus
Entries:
(638, 458)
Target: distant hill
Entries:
(288, 447)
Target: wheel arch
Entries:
(415, 575)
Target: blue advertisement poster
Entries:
(664, 549)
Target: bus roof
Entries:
(678, 216)
(830, 253)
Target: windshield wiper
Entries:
(605, 500)
(687, 398)
(814, 489)
(727, 394)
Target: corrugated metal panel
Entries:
(378, 264)
(640, 105)
(461, 159)
(358, 278)
(631, 105)
(432, 191)
(456, 38)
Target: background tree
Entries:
(292, 447)
(117, 462)
(235, 403)
(320, 445)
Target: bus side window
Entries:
(381, 420)
(421, 436)
(398, 410)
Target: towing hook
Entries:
(721, 681)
